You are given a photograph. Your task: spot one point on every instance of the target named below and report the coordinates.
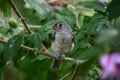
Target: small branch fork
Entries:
(44, 50)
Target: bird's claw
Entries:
(60, 56)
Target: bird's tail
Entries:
(56, 64)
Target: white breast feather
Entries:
(63, 42)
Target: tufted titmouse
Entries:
(62, 42)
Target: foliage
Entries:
(95, 27)
(113, 9)
(5, 7)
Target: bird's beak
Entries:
(55, 28)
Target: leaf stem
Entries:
(77, 21)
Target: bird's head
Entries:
(60, 26)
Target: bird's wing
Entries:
(53, 36)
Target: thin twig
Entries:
(22, 46)
(19, 15)
(3, 41)
(30, 26)
(75, 71)
(27, 48)
(65, 76)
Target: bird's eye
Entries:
(60, 25)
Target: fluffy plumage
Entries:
(62, 41)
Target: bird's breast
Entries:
(62, 43)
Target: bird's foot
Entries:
(60, 56)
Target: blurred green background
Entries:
(96, 28)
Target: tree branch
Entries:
(3, 41)
(75, 71)
(65, 76)
(30, 26)
(19, 15)
(46, 53)
(22, 46)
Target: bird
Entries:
(62, 42)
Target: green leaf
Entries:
(80, 45)
(5, 7)
(46, 28)
(51, 50)
(59, 17)
(1, 48)
(84, 68)
(71, 8)
(2, 68)
(4, 24)
(41, 57)
(113, 9)
(66, 15)
(88, 12)
(25, 61)
(39, 70)
(39, 5)
(107, 35)
(93, 4)
(12, 47)
(46, 31)
(91, 52)
(48, 25)
(36, 39)
(93, 26)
